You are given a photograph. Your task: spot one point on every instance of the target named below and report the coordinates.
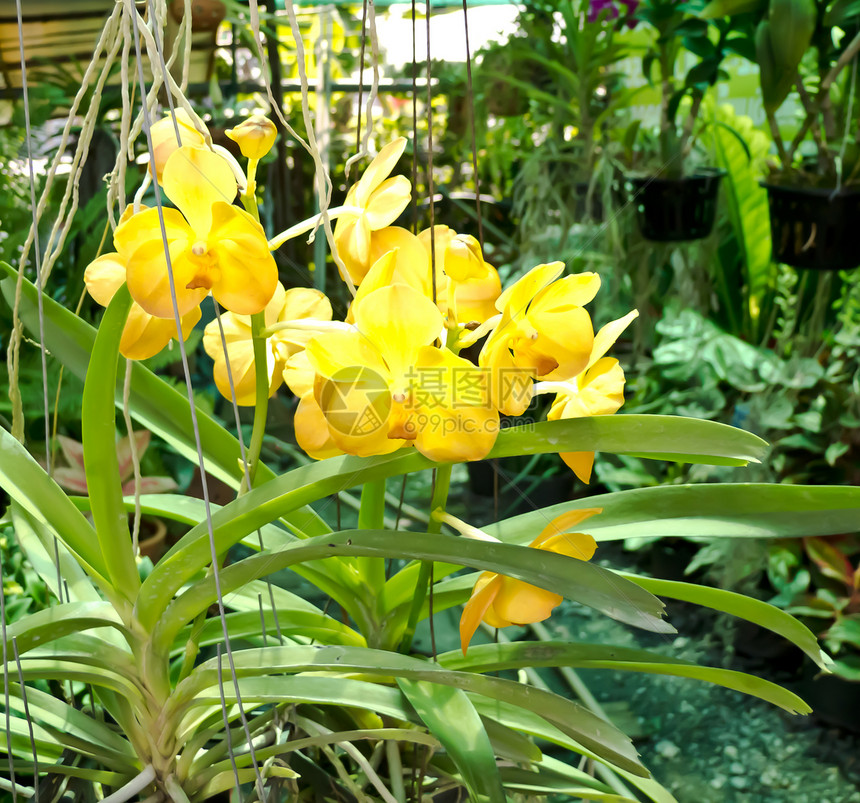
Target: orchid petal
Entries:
(194, 179)
(485, 591)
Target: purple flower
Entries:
(597, 7)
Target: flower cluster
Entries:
(391, 374)
(172, 259)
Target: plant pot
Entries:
(675, 209)
(813, 228)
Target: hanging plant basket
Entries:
(676, 209)
(813, 227)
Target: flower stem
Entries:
(306, 225)
(261, 403)
(437, 503)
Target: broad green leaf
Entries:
(579, 580)
(660, 437)
(156, 405)
(400, 735)
(74, 729)
(544, 780)
(247, 625)
(715, 510)
(44, 626)
(452, 719)
(334, 578)
(99, 676)
(760, 613)
(528, 722)
(98, 426)
(517, 655)
(573, 719)
(748, 209)
(37, 541)
(28, 484)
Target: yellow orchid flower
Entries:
(297, 303)
(473, 283)
(384, 384)
(164, 137)
(213, 245)
(501, 601)
(598, 390)
(144, 335)
(381, 200)
(542, 332)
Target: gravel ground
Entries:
(708, 744)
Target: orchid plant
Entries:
(273, 695)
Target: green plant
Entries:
(204, 674)
(818, 580)
(807, 49)
(680, 29)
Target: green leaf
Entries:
(452, 719)
(579, 580)
(571, 718)
(28, 484)
(153, 403)
(659, 437)
(98, 426)
(46, 625)
(728, 8)
(724, 510)
(528, 722)
(753, 610)
(37, 541)
(74, 729)
(747, 205)
(517, 655)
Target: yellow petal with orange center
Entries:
(149, 281)
(194, 179)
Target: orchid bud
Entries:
(255, 136)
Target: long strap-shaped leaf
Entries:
(516, 655)
(654, 436)
(717, 510)
(98, 426)
(579, 580)
(155, 404)
(572, 718)
(753, 610)
(29, 485)
(450, 716)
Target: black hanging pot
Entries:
(675, 209)
(812, 228)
